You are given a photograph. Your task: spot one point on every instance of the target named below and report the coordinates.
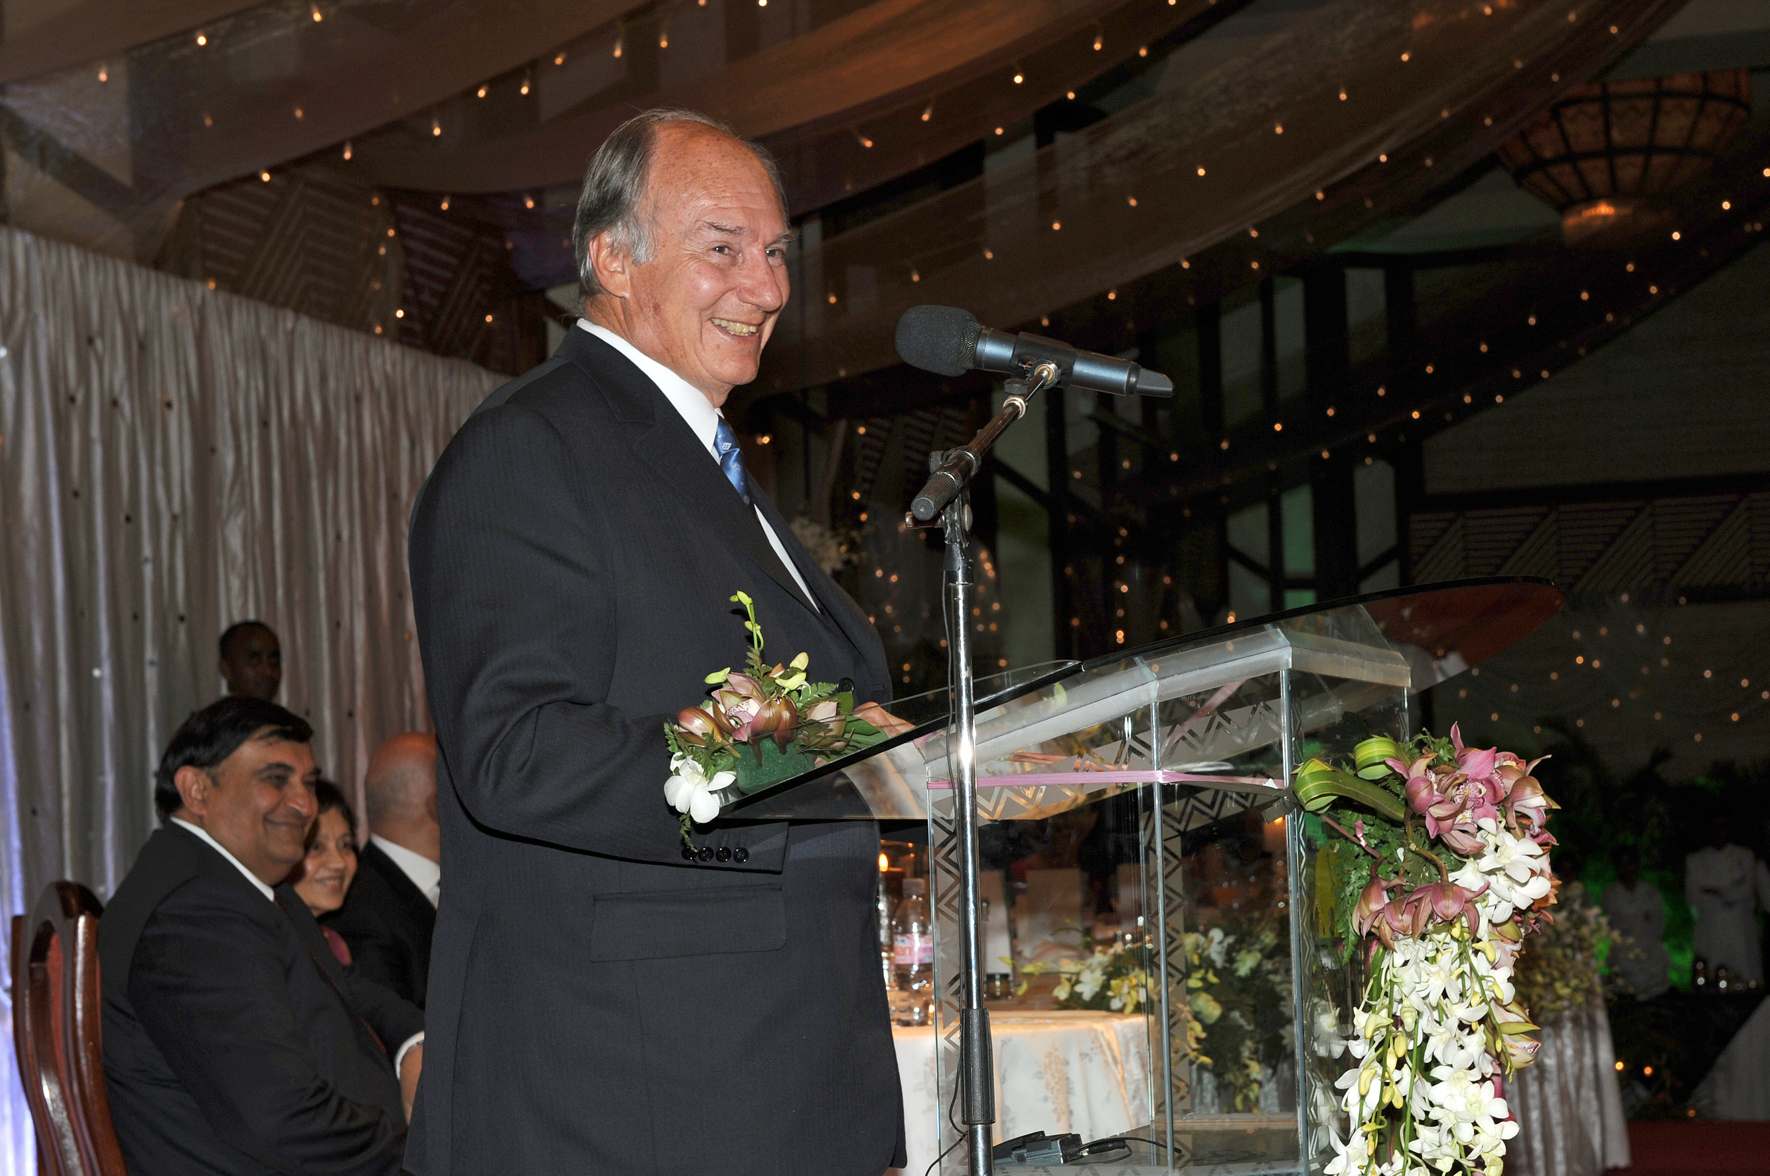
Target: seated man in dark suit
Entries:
(234, 1043)
(390, 912)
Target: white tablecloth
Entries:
(1056, 1071)
(1569, 1110)
(1738, 1086)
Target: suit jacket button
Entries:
(740, 855)
(706, 854)
(687, 854)
(724, 853)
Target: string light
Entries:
(104, 74)
(1099, 39)
(202, 38)
(1019, 74)
(315, 10)
(620, 41)
(525, 85)
(560, 59)
(480, 93)
(265, 176)
(928, 111)
(528, 201)
(860, 138)
(664, 35)
(445, 203)
(435, 126)
(346, 147)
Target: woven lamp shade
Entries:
(1609, 153)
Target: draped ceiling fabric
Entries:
(107, 133)
(173, 459)
(1125, 198)
(841, 105)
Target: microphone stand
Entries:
(944, 494)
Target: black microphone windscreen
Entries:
(938, 339)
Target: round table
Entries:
(1056, 1071)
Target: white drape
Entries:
(173, 459)
(1568, 1106)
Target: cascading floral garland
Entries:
(1457, 848)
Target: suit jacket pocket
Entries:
(664, 923)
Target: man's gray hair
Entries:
(614, 187)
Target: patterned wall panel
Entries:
(1694, 541)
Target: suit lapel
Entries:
(681, 462)
(837, 610)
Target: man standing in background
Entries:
(252, 660)
(390, 913)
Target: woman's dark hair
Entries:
(331, 800)
(208, 737)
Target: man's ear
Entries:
(193, 786)
(611, 264)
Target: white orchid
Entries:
(690, 790)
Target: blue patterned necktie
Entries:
(731, 460)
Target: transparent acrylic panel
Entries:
(1047, 740)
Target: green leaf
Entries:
(717, 676)
(1318, 784)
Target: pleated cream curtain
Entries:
(173, 459)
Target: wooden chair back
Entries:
(56, 1025)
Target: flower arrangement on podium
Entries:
(1455, 846)
(762, 725)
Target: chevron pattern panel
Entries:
(945, 895)
(1697, 541)
(308, 240)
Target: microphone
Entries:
(949, 342)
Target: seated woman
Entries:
(324, 876)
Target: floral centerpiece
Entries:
(762, 725)
(1457, 875)
(1557, 973)
(1237, 1005)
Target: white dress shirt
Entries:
(425, 874)
(702, 420)
(258, 884)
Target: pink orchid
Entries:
(739, 700)
(1373, 904)
(701, 727)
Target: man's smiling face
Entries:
(707, 300)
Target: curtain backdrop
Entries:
(173, 459)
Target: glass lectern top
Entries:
(1205, 708)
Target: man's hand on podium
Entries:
(881, 718)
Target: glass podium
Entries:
(1170, 767)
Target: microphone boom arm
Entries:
(960, 465)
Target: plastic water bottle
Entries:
(883, 917)
(912, 952)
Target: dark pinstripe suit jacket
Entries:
(596, 1002)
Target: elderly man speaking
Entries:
(602, 997)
